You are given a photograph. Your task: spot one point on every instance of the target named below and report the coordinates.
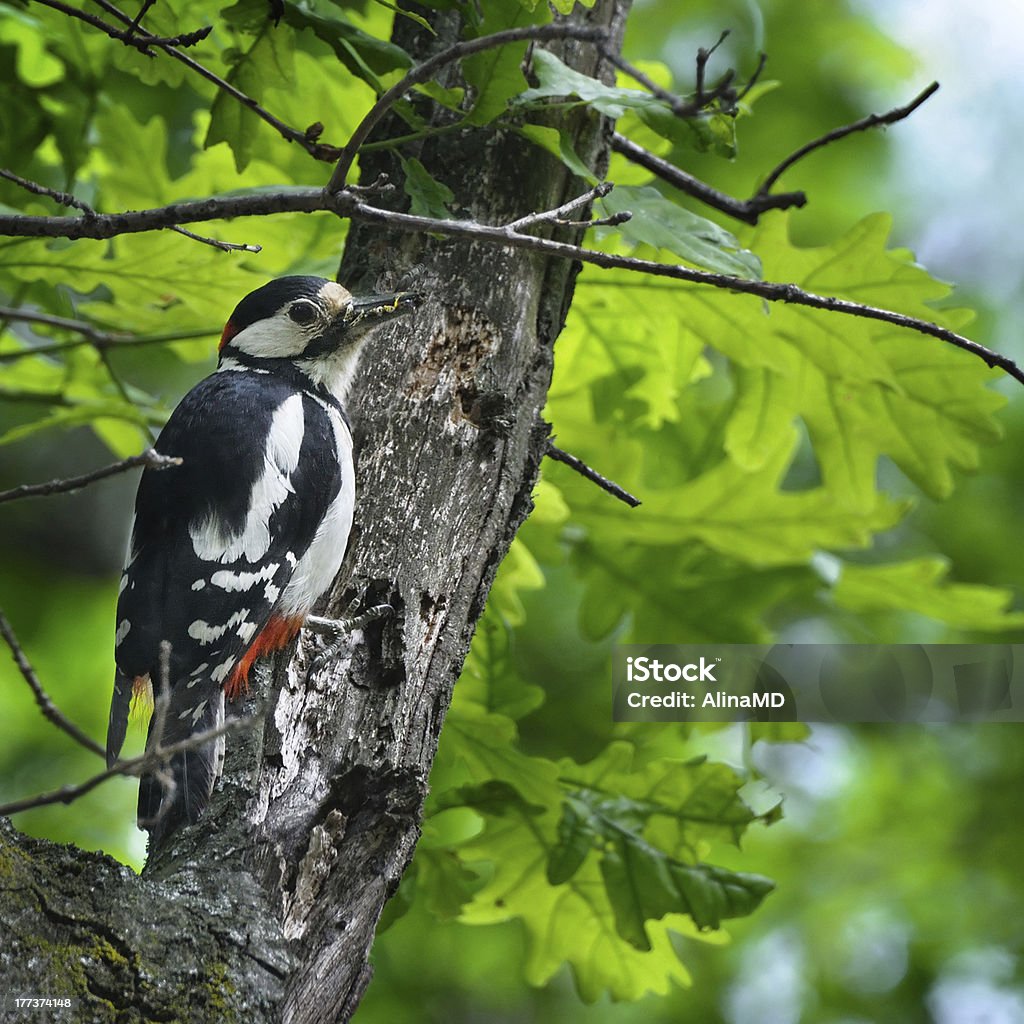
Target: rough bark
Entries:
(266, 909)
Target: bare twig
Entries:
(91, 335)
(66, 199)
(137, 20)
(151, 761)
(772, 291)
(762, 59)
(871, 121)
(746, 210)
(141, 42)
(150, 459)
(425, 71)
(687, 108)
(318, 150)
(48, 708)
(108, 225)
(592, 475)
(122, 390)
(556, 216)
(217, 243)
(703, 56)
(676, 103)
(62, 198)
(345, 204)
(162, 698)
(750, 210)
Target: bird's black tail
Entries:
(178, 793)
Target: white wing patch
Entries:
(196, 713)
(320, 562)
(207, 634)
(211, 540)
(245, 630)
(196, 675)
(220, 673)
(122, 631)
(234, 581)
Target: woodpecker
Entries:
(231, 550)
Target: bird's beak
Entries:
(371, 310)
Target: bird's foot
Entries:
(334, 631)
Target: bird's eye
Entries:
(303, 312)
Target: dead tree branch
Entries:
(746, 210)
(346, 204)
(771, 291)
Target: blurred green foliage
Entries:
(789, 462)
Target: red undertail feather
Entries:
(142, 693)
(277, 633)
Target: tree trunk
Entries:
(266, 909)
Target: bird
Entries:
(231, 549)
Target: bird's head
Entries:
(310, 322)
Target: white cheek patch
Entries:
(277, 337)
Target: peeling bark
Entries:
(266, 909)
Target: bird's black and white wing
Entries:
(219, 551)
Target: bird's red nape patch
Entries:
(277, 633)
(230, 330)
